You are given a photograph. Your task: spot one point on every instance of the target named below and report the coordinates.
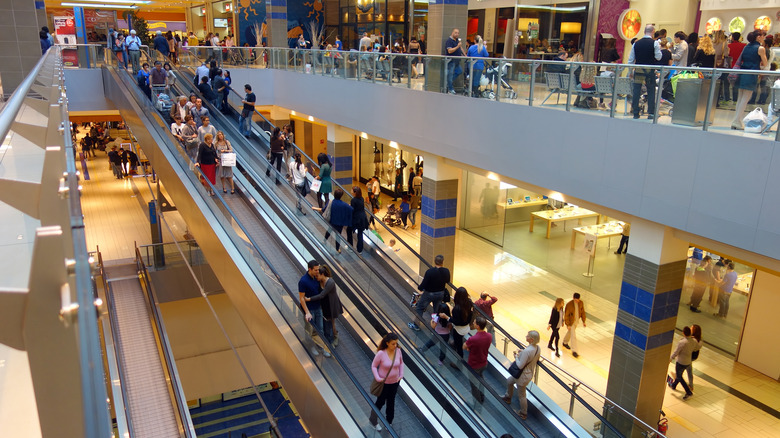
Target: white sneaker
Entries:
(325, 353)
(315, 351)
(378, 427)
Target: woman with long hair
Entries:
(208, 159)
(462, 316)
(225, 172)
(277, 152)
(327, 185)
(753, 58)
(696, 335)
(331, 304)
(477, 50)
(705, 53)
(359, 220)
(298, 172)
(555, 324)
(387, 367)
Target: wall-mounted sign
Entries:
(629, 24)
(712, 25)
(737, 24)
(762, 23)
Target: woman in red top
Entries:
(388, 366)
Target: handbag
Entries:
(376, 386)
(695, 355)
(326, 213)
(515, 371)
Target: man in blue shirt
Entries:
(339, 44)
(161, 44)
(309, 286)
(453, 48)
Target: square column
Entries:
(443, 17)
(647, 313)
(438, 212)
(340, 151)
(276, 19)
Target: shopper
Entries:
(701, 278)
(485, 304)
(726, 287)
(555, 324)
(207, 161)
(245, 120)
(433, 287)
(753, 57)
(573, 313)
(646, 51)
(340, 214)
(327, 185)
(206, 128)
(440, 323)
(705, 54)
(331, 304)
(225, 172)
(116, 162)
(478, 346)
(735, 50)
(133, 45)
(526, 361)
(405, 209)
(387, 367)
(624, 235)
(693, 46)
(683, 354)
(359, 221)
(298, 174)
(453, 48)
(206, 91)
(309, 286)
(289, 142)
(143, 80)
(477, 50)
(697, 344)
(198, 112)
(189, 135)
(462, 317)
(720, 43)
(680, 50)
(277, 153)
(160, 44)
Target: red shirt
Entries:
(735, 49)
(479, 344)
(486, 305)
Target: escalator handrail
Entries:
(256, 247)
(179, 399)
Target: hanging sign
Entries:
(629, 24)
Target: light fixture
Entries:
(363, 135)
(394, 145)
(311, 119)
(292, 113)
(554, 8)
(129, 2)
(100, 6)
(571, 27)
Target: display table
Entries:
(742, 286)
(518, 204)
(562, 214)
(608, 229)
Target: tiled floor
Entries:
(526, 294)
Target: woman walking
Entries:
(277, 152)
(207, 161)
(387, 367)
(327, 186)
(298, 172)
(359, 221)
(753, 58)
(526, 361)
(462, 315)
(555, 324)
(225, 172)
(331, 304)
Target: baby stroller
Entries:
(494, 76)
(393, 216)
(666, 104)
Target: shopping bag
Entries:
(228, 159)
(420, 68)
(755, 121)
(315, 185)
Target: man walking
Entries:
(623, 247)
(453, 47)
(161, 44)
(433, 288)
(133, 44)
(309, 286)
(572, 314)
(645, 51)
(683, 353)
(477, 346)
(116, 162)
(245, 120)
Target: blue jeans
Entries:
(646, 76)
(244, 123)
(413, 216)
(451, 74)
(475, 82)
(723, 301)
(679, 369)
(427, 298)
(317, 319)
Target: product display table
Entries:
(562, 214)
(742, 286)
(519, 204)
(608, 229)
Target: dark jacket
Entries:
(340, 213)
(331, 304)
(359, 219)
(461, 317)
(277, 145)
(207, 155)
(206, 90)
(555, 318)
(114, 157)
(161, 44)
(435, 280)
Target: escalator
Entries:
(253, 238)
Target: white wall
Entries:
(757, 349)
(665, 174)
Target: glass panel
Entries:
(485, 208)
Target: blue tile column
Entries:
(437, 222)
(653, 277)
(276, 20)
(340, 146)
(443, 16)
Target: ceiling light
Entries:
(100, 6)
(554, 8)
(129, 2)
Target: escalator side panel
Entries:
(317, 404)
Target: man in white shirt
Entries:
(133, 44)
(365, 42)
(200, 72)
(217, 49)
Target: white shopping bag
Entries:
(308, 69)
(228, 159)
(755, 121)
(315, 185)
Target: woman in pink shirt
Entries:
(388, 366)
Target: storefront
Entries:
(385, 20)
(382, 159)
(733, 16)
(97, 22)
(196, 21)
(222, 18)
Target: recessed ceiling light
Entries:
(100, 6)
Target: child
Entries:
(440, 323)
(405, 210)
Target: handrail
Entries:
(14, 103)
(275, 276)
(172, 373)
(114, 329)
(482, 313)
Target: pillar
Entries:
(443, 16)
(644, 332)
(21, 49)
(340, 152)
(276, 20)
(438, 211)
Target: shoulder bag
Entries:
(326, 213)
(515, 371)
(377, 386)
(695, 355)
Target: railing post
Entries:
(506, 345)
(658, 95)
(408, 72)
(470, 82)
(568, 91)
(390, 70)
(710, 96)
(532, 84)
(373, 75)
(574, 386)
(613, 104)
